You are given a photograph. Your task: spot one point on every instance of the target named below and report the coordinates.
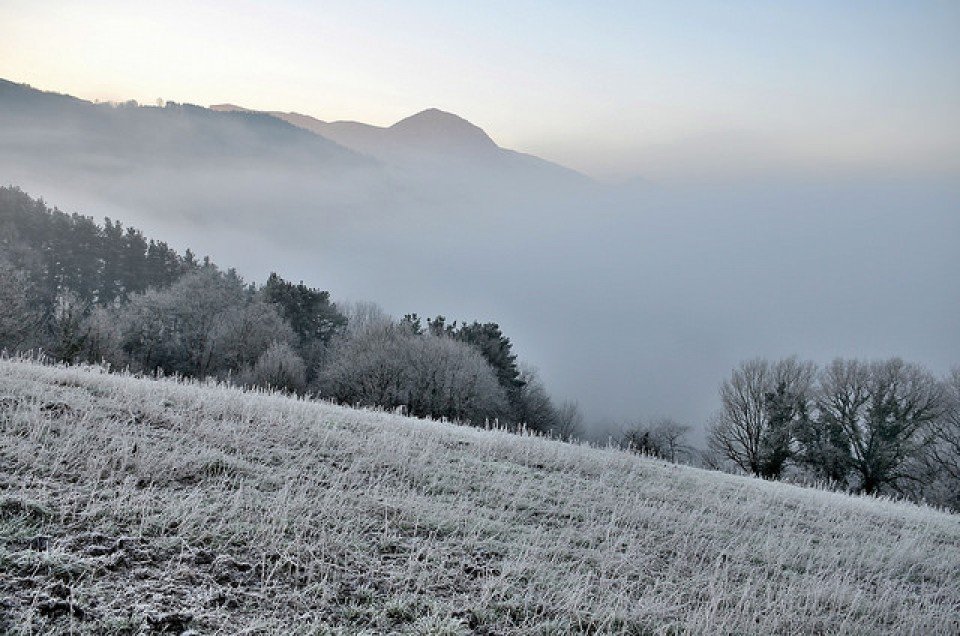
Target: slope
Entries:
(183, 170)
(132, 504)
(55, 129)
(433, 139)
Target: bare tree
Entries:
(841, 394)
(882, 410)
(454, 379)
(940, 463)
(664, 438)
(569, 420)
(361, 314)
(671, 438)
(761, 402)
(533, 406)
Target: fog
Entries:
(633, 300)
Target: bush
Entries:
(389, 365)
(279, 367)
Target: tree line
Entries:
(877, 427)
(81, 291)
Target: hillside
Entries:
(433, 139)
(131, 505)
(55, 132)
(241, 176)
(60, 131)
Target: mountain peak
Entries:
(435, 127)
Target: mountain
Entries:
(132, 505)
(431, 139)
(229, 165)
(436, 129)
(181, 169)
(60, 129)
(433, 148)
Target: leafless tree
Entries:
(366, 366)
(362, 314)
(569, 420)
(534, 408)
(664, 438)
(939, 466)
(760, 404)
(671, 437)
(882, 410)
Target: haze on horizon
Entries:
(677, 91)
(797, 164)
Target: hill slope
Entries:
(130, 504)
(59, 130)
(436, 140)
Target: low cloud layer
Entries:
(635, 301)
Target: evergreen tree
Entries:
(308, 310)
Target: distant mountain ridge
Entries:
(47, 126)
(229, 163)
(433, 137)
(429, 156)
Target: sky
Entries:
(617, 89)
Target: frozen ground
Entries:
(136, 506)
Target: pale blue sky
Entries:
(664, 90)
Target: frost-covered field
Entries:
(130, 506)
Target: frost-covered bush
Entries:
(207, 323)
(244, 333)
(279, 367)
(391, 365)
(173, 328)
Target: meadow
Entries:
(134, 505)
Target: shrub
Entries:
(279, 367)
